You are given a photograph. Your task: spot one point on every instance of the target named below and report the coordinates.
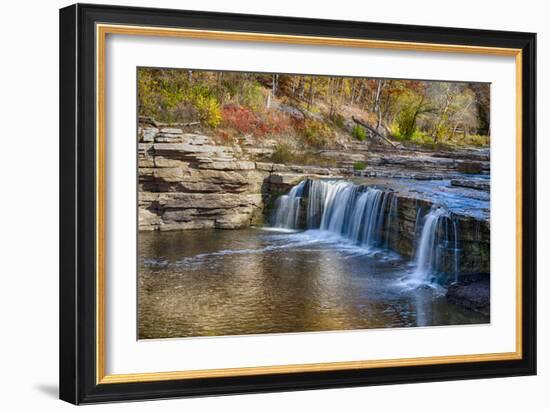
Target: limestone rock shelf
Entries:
(186, 181)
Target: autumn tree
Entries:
(409, 110)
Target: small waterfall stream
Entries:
(287, 211)
(438, 242)
(368, 216)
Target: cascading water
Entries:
(287, 211)
(368, 216)
(362, 215)
(391, 224)
(438, 241)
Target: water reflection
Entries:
(214, 282)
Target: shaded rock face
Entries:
(474, 295)
(188, 182)
(474, 237)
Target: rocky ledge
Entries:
(187, 181)
(424, 165)
(472, 184)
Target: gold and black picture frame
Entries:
(275, 163)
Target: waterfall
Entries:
(438, 241)
(362, 215)
(287, 213)
(456, 252)
(338, 206)
(369, 217)
(417, 226)
(375, 212)
(392, 219)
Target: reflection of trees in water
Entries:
(210, 286)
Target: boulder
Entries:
(474, 295)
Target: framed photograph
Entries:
(258, 203)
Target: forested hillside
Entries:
(314, 112)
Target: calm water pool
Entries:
(255, 281)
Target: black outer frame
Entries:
(78, 210)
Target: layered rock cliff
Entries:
(186, 181)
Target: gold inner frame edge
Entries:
(101, 32)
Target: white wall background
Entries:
(29, 202)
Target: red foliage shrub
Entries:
(224, 135)
(298, 124)
(244, 120)
(240, 118)
(276, 122)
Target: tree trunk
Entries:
(352, 92)
(412, 125)
(310, 99)
(435, 132)
(274, 80)
(360, 94)
(376, 102)
(376, 106)
(331, 96)
(374, 131)
(300, 88)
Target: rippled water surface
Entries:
(254, 281)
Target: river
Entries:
(256, 281)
